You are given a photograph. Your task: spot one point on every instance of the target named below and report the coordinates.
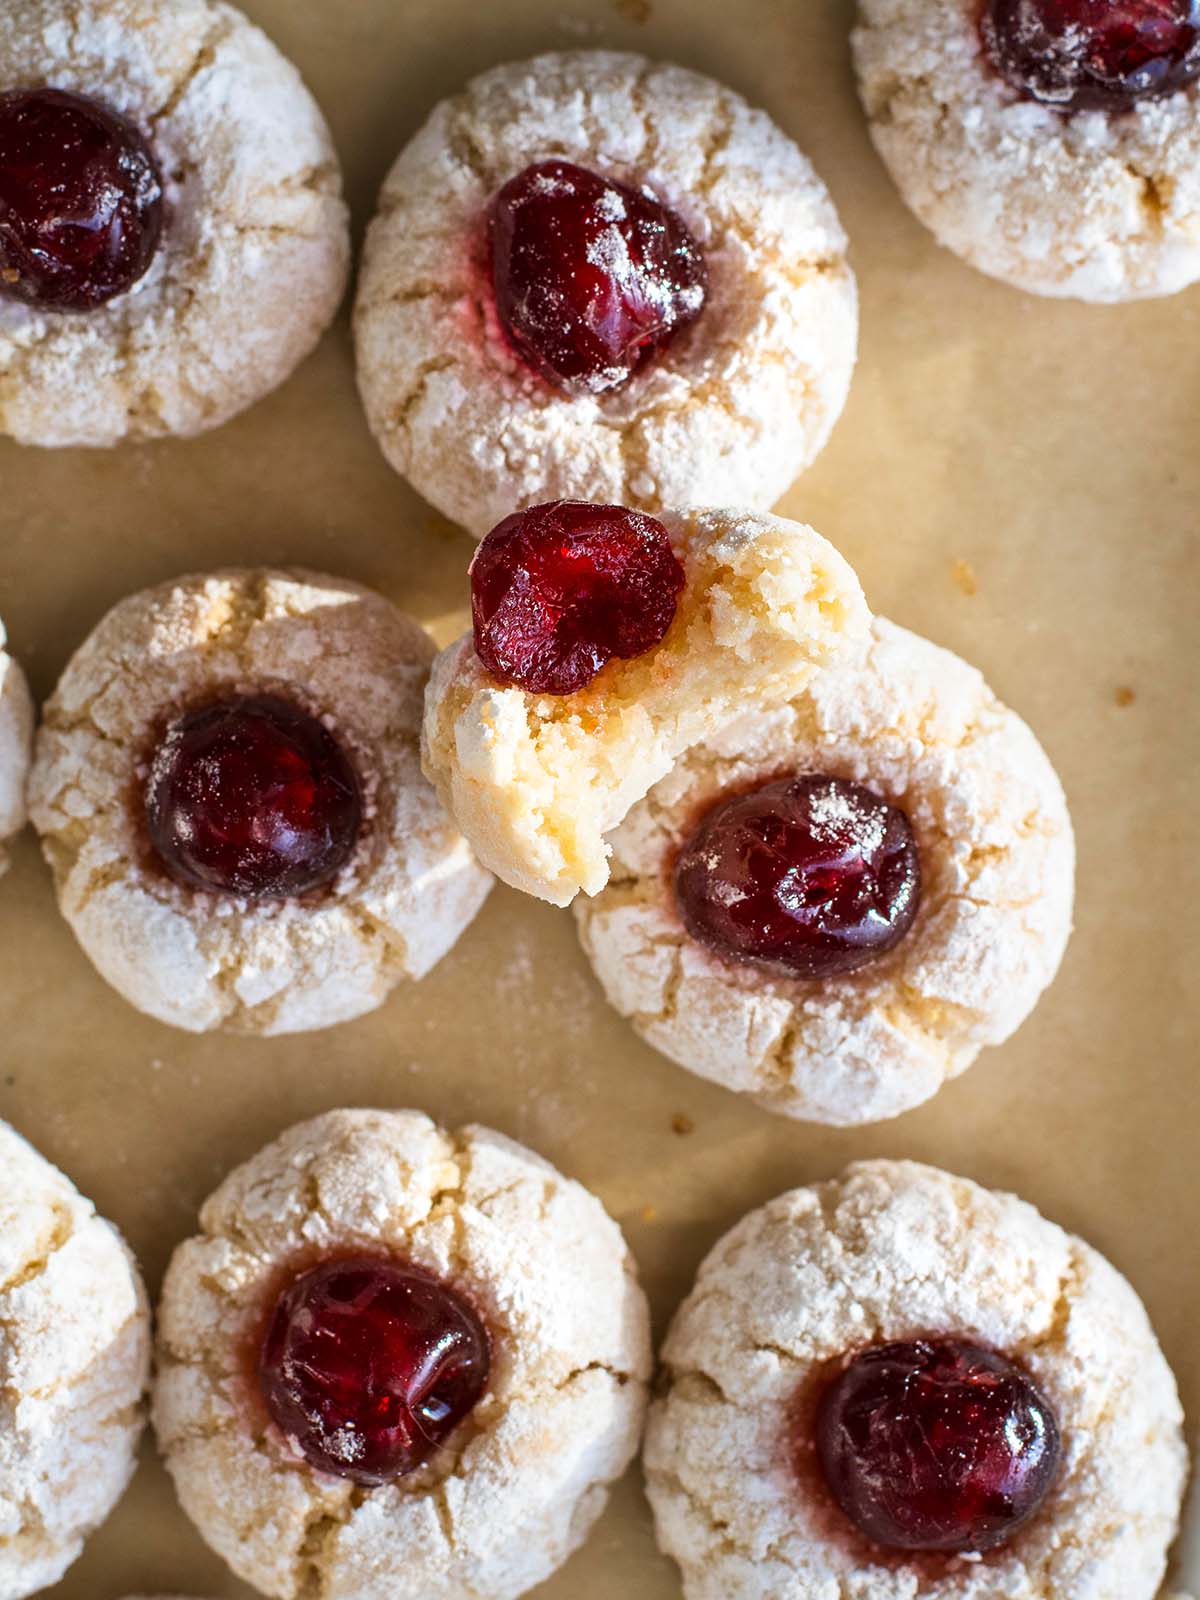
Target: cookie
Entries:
(744, 391)
(921, 730)
(538, 1410)
(74, 1364)
(16, 739)
(805, 1295)
(244, 236)
(1022, 138)
(536, 780)
(228, 790)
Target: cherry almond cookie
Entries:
(16, 740)
(833, 904)
(601, 277)
(1052, 143)
(74, 1364)
(399, 1364)
(901, 1386)
(605, 643)
(173, 239)
(228, 789)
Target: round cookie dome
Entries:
(1096, 204)
(893, 1251)
(741, 402)
(920, 728)
(16, 741)
(254, 247)
(353, 670)
(517, 1485)
(74, 1363)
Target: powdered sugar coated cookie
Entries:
(921, 728)
(520, 1483)
(736, 408)
(74, 1361)
(896, 1251)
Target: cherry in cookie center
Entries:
(811, 875)
(252, 796)
(370, 1365)
(81, 201)
(1093, 55)
(592, 277)
(936, 1445)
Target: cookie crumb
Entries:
(964, 576)
(1124, 695)
(682, 1124)
(649, 1213)
(633, 10)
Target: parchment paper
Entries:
(1018, 479)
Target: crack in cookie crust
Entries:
(266, 967)
(74, 1364)
(520, 1484)
(255, 251)
(920, 727)
(1092, 206)
(741, 404)
(890, 1251)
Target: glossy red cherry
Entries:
(252, 797)
(1094, 55)
(80, 201)
(592, 277)
(937, 1445)
(370, 1365)
(560, 590)
(811, 875)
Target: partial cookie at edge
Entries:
(893, 1251)
(16, 747)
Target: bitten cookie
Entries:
(16, 740)
(74, 1363)
(1054, 146)
(190, 150)
(904, 1352)
(228, 789)
(841, 944)
(399, 1364)
(595, 276)
(536, 779)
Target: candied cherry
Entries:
(251, 796)
(592, 278)
(1094, 55)
(559, 590)
(369, 1365)
(937, 1445)
(811, 875)
(81, 201)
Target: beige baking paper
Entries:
(1018, 479)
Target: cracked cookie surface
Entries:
(519, 1485)
(199, 961)
(921, 728)
(255, 247)
(74, 1363)
(894, 1251)
(536, 781)
(731, 415)
(16, 741)
(1094, 206)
